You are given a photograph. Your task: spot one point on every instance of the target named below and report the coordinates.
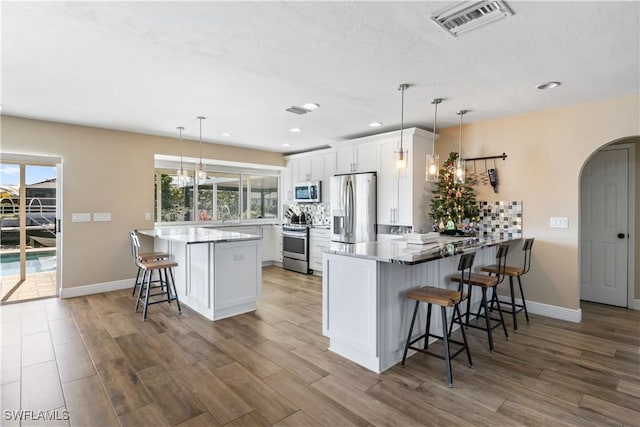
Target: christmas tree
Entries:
(451, 201)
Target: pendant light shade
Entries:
(202, 174)
(433, 160)
(459, 168)
(402, 154)
(183, 176)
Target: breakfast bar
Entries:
(219, 273)
(365, 313)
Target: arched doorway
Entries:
(608, 224)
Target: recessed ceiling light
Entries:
(311, 106)
(286, 145)
(548, 85)
(225, 134)
(375, 124)
(294, 130)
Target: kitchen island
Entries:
(219, 273)
(365, 313)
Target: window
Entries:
(262, 192)
(229, 193)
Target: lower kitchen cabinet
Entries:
(319, 241)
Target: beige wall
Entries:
(546, 152)
(106, 171)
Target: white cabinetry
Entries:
(404, 200)
(308, 168)
(356, 157)
(318, 165)
(319, 241)
(287, 184)
(277, 243)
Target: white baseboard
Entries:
(78, 291)
(636, 305)
(547, 310)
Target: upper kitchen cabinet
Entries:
(318, 165)
(308, 168)
(404, 199)
(359, 155)
(287, 184)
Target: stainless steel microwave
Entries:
(307, 192)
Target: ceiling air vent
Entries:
(469, 15)
(297, 110)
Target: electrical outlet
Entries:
(147, 216)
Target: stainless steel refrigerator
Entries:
(353, 208)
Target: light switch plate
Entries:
(147, 216)
(559, 222)
(102, 216)
(80, 217)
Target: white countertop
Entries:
(191, 235)
(399, 251)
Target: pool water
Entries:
(37, 262)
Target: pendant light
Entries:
(183, 176)
(401, 154)
(433, 160)
(202, 174)
(459, 171)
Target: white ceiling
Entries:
(151, 66)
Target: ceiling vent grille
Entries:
(469, 15)
(297, 110)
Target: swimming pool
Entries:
(37, 262)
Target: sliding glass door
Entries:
(28, 232)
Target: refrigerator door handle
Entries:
(349, 209)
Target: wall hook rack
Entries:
(502, 156)
(491, 175)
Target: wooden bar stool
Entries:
(144, 257)
(484, 282)
(444, 298)
(512, 272)
(166, 282)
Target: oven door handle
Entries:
(294, 234)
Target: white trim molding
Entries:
(97, 288)
(547, 310)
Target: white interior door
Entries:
(604, 229)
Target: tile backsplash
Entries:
(315, 213)
(500, 218)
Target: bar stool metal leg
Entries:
(413, 320)
(426, 338)
(514, 313)
(464, 334)
(524, 303)
(445, 338)
(486, 319)
(175, 291)
(504, 326)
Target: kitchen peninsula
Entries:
(365, 314)
(219, 273)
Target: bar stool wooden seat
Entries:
(443, 298)
(165, 282)
(144, 257)
(512, 272)
(485, 282)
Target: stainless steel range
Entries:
(295, 248)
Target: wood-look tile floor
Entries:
(93, 359)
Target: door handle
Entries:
(620, 235)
